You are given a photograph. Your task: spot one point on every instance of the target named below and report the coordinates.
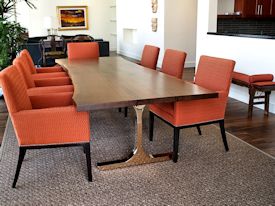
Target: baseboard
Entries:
(129, 54)
(241, 94)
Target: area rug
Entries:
(204, 175)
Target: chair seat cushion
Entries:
(261, 78)
(263, 84)
(241, 77)
(166, 107)
(249, 79)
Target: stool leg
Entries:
(251, 101)
(266, 105)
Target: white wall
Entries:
(176, 27)
(181, 27)
(252, 55)
(135, 16)
(225, 6)
(99, 14)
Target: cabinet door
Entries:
(264, 7)
(272, 8)
(246, 7)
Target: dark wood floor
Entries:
(258, 131)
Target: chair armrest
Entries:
(57, 81)
(52, 100)
(49, 69)
(60, 125)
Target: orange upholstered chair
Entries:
(45, 72)
(83, 50)
(57, 84)
(34, 70)
(173, 63)
(41, 125)
(150, 56)
(213, 74)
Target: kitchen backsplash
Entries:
(246, 26)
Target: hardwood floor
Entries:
(258, 131)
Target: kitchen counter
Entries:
(243, 35)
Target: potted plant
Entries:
(11, 33)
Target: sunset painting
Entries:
(71, 18)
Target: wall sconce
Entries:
(154, 24)
(154, 6)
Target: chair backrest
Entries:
(214, 73)
(14, 90)
(83, 50)
(150, 56)
(173, 63)
(22, 66)
(25, 53)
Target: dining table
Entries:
(114, 82)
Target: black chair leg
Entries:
(199, 130)
(151, 125)
(119, 109)
(88, 160)
(22, 152)
(125, 111)
(221, 123)
(176, 144)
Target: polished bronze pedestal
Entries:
(139, 156)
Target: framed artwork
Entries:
(72, 17)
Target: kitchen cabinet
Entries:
(255, 8)
(272, 9)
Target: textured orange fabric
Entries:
(25, 54)
(57, 81)
(83, 50)
(252, 78)
(49, 75)
(150, 56)
(49, 69)
(52, 89)
(263, 84)
(212, 73)
(59, 125)
(32, 67)
(241, 77)
(14, 89)
(25, 73)
(261, 78)
(52, 100)
(173, 63)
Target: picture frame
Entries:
(72, 17)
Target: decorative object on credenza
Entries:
(154, 6)
(154, 24)
(72, 17)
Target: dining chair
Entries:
(149, 60)
(41, 86)
(173, 63)
(38, 125)
(150, 56)
(55, 71)
(213, 74)
(83, 50)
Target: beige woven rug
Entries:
(204, 174)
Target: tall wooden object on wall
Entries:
(255, 8)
